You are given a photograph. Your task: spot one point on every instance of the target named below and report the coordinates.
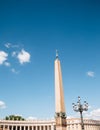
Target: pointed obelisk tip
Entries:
(56, 54)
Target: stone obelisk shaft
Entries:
(59, 98)
(59, 95)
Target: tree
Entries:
(14, 117)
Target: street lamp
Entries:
(78, 107)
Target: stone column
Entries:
(8, 127)
(12, 127)
(32, 127)
(44, 127)
(16, 127)
(28, 127)
(40, 127)
(36, 127)
(74, 127)
(20, 127)
(3, 127)
(49, 127)
(52, 127)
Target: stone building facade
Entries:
(72, 124)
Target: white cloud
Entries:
(3, 57)
(14, 54)
(69, 117)
(2, 104)
(90, 73)
(31, 118)
(14, 71)
(15, 46)
(89, 107)
(23, 57)
(94, 114)
(7, 64)
(8, 45)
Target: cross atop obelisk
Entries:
(56, 54)
(59, 97)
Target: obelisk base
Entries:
(61, 128)
(61, 123)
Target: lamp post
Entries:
(78, 107)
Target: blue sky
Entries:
(30, 33)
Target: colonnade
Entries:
(26, 125)
(7, 127)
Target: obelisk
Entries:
(60, 113)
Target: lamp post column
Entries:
(78, 107)
(82, 124)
